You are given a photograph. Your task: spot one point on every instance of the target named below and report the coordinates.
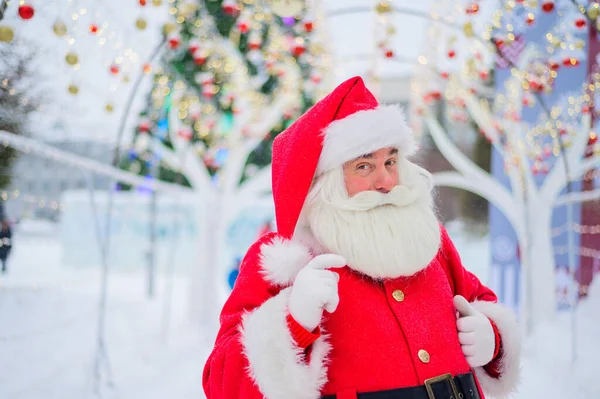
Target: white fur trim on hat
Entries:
(276, 364)
(510, 364)
(365, 132)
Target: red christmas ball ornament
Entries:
(298, 50)
(389, 54)
(114, 69)
(144, 126)
(185, 133)
(315, 79)
(444, 75)
(451, 54)
(194, 46)
(229, 7)
(207, 91)
(308, 26)
(534, 85)
(243, 26)
(142, 2)
(199, 59)
(554, 65)
(586, 109)
(472, 8)
(548, 6)
(530, 20)
(580, 23)
(93, 28)
(174, 41)
(147, 68)
(254, 45)
(483, 75)
(436, 95)
(26, 11)
(570, 62)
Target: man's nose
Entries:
(385, 182)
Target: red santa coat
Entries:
(383, 335)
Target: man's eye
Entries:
(362, 166)
(391, 162)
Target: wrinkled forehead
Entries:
(383, 152)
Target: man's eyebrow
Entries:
(370, 155)
(367, 156)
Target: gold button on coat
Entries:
(423, 356)
(398, 295)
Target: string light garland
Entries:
(95, 24)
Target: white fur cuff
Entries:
(276, 364)
(510, 363)
(282, 259)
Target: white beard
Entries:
(380, 235)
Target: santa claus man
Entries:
(360, 293)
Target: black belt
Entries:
(443, 387)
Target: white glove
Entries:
(475, 333)
(315, 289)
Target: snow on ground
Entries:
(48, 319)
(49, 314)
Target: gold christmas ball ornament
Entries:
(157, 3)
(287, 8)
(72, 58)
(73, 89)
(109, 108)
(316, 49)
(7, 34)
(383, 7)
(141, 23)
(187, 9)
(168, 28)
(468, 29)
(59, 28)
(593, 11)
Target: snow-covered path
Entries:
(49, 314)
(48, 319)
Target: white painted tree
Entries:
(265, 74)
(527, 205)
(222, 200)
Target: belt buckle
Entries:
(444, 377)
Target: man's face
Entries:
(377, 171)
(377, 214)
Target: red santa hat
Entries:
(344, 125)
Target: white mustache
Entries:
(399, 196)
